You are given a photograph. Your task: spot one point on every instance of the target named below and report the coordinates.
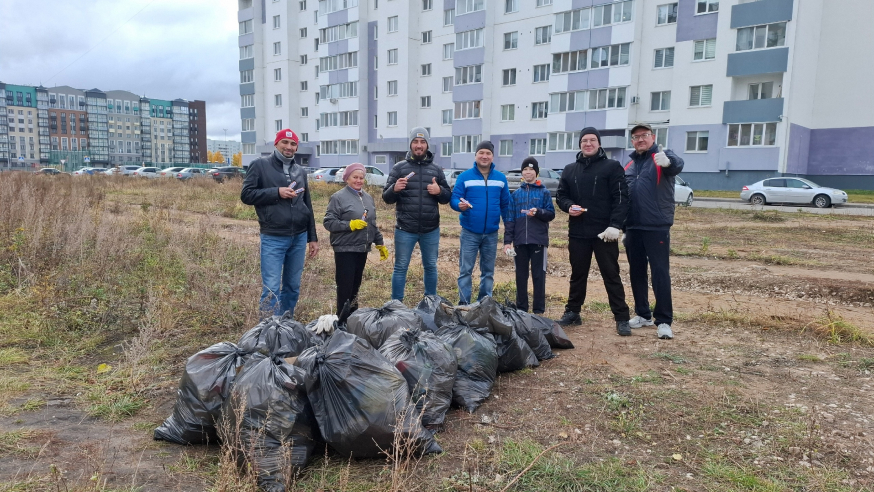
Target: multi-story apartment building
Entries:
(68, 120)
(197, 130)
(4, 128)
(740, 89)
(227, 147)
(27, 125)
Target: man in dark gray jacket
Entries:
(650, 177)
(417, 187)
(277, 187)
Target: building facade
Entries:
(227, 147)
(742, 90)
(197, 131)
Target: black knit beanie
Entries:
(589, 131)
(532, 163)
(485, 144)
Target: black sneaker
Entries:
(570, 318)
(623, 329)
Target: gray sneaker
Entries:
(623, 329)
(664, 332)
(640, 322)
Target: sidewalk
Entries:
(738, 200)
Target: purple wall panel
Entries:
(338, 47)
(473, 20)
(472, 126)
(842, 151)
(799, 148)
(448, 4)
(579, 4)
(467, 92)
(600, 36)
(690, 26)
(581, 40)
(338, 76)
(464, 58)
(521, 148)
(337, 18)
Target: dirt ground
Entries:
(757, 380)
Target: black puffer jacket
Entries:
(598, 185)
(278, 216)
(417, 210)
(651, 189)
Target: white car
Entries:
(325, 174)
(792, 190)
(682, 192)
(170, 172)
(146, 172)
(372, 176)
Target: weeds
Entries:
(838, 331)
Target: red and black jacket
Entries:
(651, 190)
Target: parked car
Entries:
(146, 172)
(191, 172)
(170, 172)
(548, 177)
(559, 171)
(222, 174)
(792, 190)
(372, 176)
(451, 175)
(126, 170)
(325, 175)
(89, 171)
(49, 170)
(682, 192)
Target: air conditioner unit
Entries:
(333, 100)
(635, 99)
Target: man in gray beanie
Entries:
(417, 187)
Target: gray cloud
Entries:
(171, 49)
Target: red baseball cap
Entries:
(285, 134)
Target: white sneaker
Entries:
(639, 322)
(664, 332)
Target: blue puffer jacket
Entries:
(489, 198)
(651, 190)
(522, 228)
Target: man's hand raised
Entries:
(434, 188)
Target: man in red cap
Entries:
(277, 187)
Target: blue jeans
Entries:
(486, 245)
(282, 259)
(429, 243)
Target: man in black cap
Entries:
(593, 192)
(650, 177)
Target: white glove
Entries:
(325, 324)
(661, 160)
(511, 252)
(611, 234)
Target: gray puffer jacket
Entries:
(347, 205)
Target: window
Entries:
(302, 4)
(467, 110)
(277, 101)
(569, 62)
(277, 48)
(337, 33)
(425, 101)
(666, 14)
(466, 6)
(278, 125)
(559, 141)
(248, 124)
(449, 17)
(426, 37)
(509, 77)
(304, 137)
(505, 148)
(471, 74)
(393, 23)
(304, 86)
(446, 148)
(277, 74)
(247, 101)
(375, 121)
(538, 110)
(537, 146)
(427, 4)
(447, 84)
(700, 95)
(246, 76)
(341, 90)
(465, 144)
(392, 87)
(328, 6)
(697, 141)
(563, 102)
(469, 39)
(705, 49)
(661, 101)
(338, 62)
(448, 51)
(511, 40)
(614, 55)
(762, 90)
(276, 22)
(508, 112)
(303, 59)
(612, 13)
(541, 73)
(511, 6)
(303, 32)
(375, 92)
(607, 98)
(335, 147)
(758, 37)
(573, 20)
(304, 112)
(664, 58)
(392, 118)
(542, 35)
(245, 27)
(543, 3)
(751, 134)
(447, 116)
(393, 56)
(706, 6)
(426, 69)
(315, 44)
(246, 52)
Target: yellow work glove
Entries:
(383, 252)
(357, 224)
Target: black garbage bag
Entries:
(360, 399)
(477, 355)
(523, 325)
(205, 384)
(513, 353)
(427, 309)
(552, 331)
(268, 421)
(377, 324)
(429, 366)
(485, 313)
(281, 336)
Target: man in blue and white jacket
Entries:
(482, 197)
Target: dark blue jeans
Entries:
(429, 243)
(653, 249)
(473, 244)
(282, 259)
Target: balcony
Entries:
(761, 12)
(757, 62)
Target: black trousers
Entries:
(653, 249)
(535, 256)
(607, 256)
(348, 271)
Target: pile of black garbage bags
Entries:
(385, 378)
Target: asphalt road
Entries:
(848, 209)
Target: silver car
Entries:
(682, 192)
(451, 175)
(548, 177)
(792, 190)
(146, 172)
(191, 172)
(170, 172)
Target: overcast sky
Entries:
(165, 49)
